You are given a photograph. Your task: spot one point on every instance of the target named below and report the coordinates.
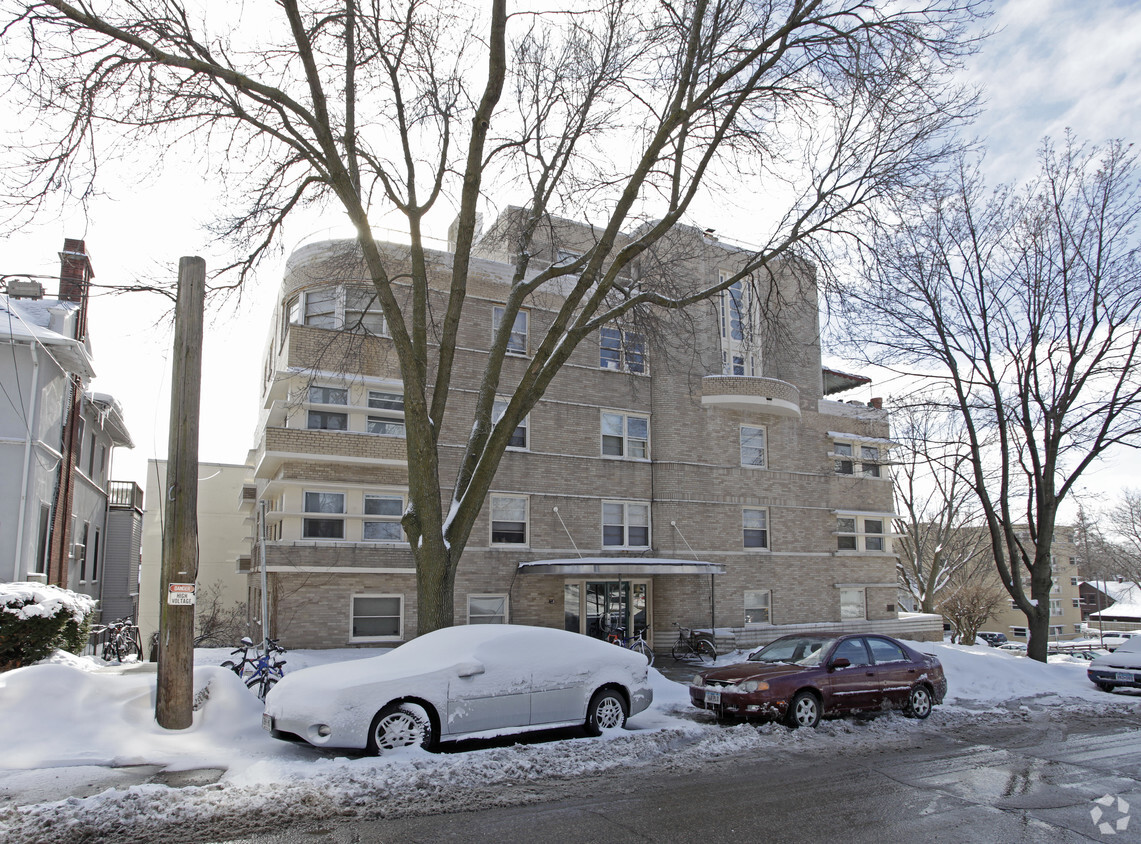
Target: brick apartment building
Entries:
(697, 471)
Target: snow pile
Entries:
(30, 600)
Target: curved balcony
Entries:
(759, 395)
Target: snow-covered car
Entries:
(992, 638)
(461, 682)
(1113, 641)
(1120, 668)
(800, 678)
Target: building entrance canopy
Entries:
(624, 567)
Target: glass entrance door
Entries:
(601, 607)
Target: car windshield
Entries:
(798, 650)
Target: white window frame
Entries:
(398, 636)
(626, 524)
(498, 408)
(370, 318)
(627, 442)
(297, 310)
(381, 416)
(764, 606)
(746, 528)
(1019, 632)
(505, 618)
(858, 535)
(764, 447)
(627, 360)
(322, 515)
(738, 329)
(862, 601)
(492, 499)
(379, 518)
(514, 347)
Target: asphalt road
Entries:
(1033, 779)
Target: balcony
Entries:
(282, 444)
(124, 495)
(758, 395)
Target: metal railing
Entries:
(126, 494)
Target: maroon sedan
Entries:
(803, 677)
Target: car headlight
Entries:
(697, 680)
(750, 686)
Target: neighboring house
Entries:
(1065, 598)
(56, 437)
(223, 539)
(701, 474)
(1111, 604)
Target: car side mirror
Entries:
(839, 662)
(469, 669)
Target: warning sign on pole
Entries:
(181, 594)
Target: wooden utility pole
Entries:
(174, 704)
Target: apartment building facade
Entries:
(1065, 594)
(695, 470)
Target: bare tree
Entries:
(938, 532)
(216, 622)
(970, 598)
(624, 111)
(1022, 309)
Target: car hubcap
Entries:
(806, 712)
(920, 703)
(609, 713)
(398, 730)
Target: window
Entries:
(852, 605)
(321, 307)
(853, 650)
(517, 342)
(885, 651)
(508, 520)
(386, 416)
(362, 311)
(325, 503)
(843, 452)
(855, 533)
(42, 538)
(324, 420)
(519, 435)
(1073, 581)
(756, 527)
(1057, 629)
(328, 395)
(752, 446)
(81, 551)
(1055, 607)
(625, 435)
(95, 556)
(377, 616)
(486, 609)
(757, 605)
(621, 350)
(737, 354)
(870, 455)
(1018, 632)
(1077, 603)
(384, 526)
(625, 525)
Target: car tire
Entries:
(400, 725)
(918, 703)
(804, 711)
(607, 711)
(1105, 687)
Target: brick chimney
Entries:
(75, 274)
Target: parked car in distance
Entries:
(801, 678)
(1017, 647)
(1114, 640)
(470, 681)
(1120, 668)
(991, 638)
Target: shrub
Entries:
(37, 619)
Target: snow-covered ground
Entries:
(75, 726)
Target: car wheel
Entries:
(1105, 687)
(918, 703)
(804, 711)
(400, 725)
(607, 711)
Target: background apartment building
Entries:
(1065, 595)
(690, 470)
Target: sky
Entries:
(1052, 64)
(92, 725)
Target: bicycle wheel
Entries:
(705, 651)
(645, 650)
(681, 650)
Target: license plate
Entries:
(1123, 677)
(712, 698)
(267, 722)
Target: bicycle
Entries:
(265, 668)
(122, 640)
(634, 643)
(692, 647)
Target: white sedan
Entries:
(461, 682)
(1120, 668)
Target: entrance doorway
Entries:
(600, 607)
